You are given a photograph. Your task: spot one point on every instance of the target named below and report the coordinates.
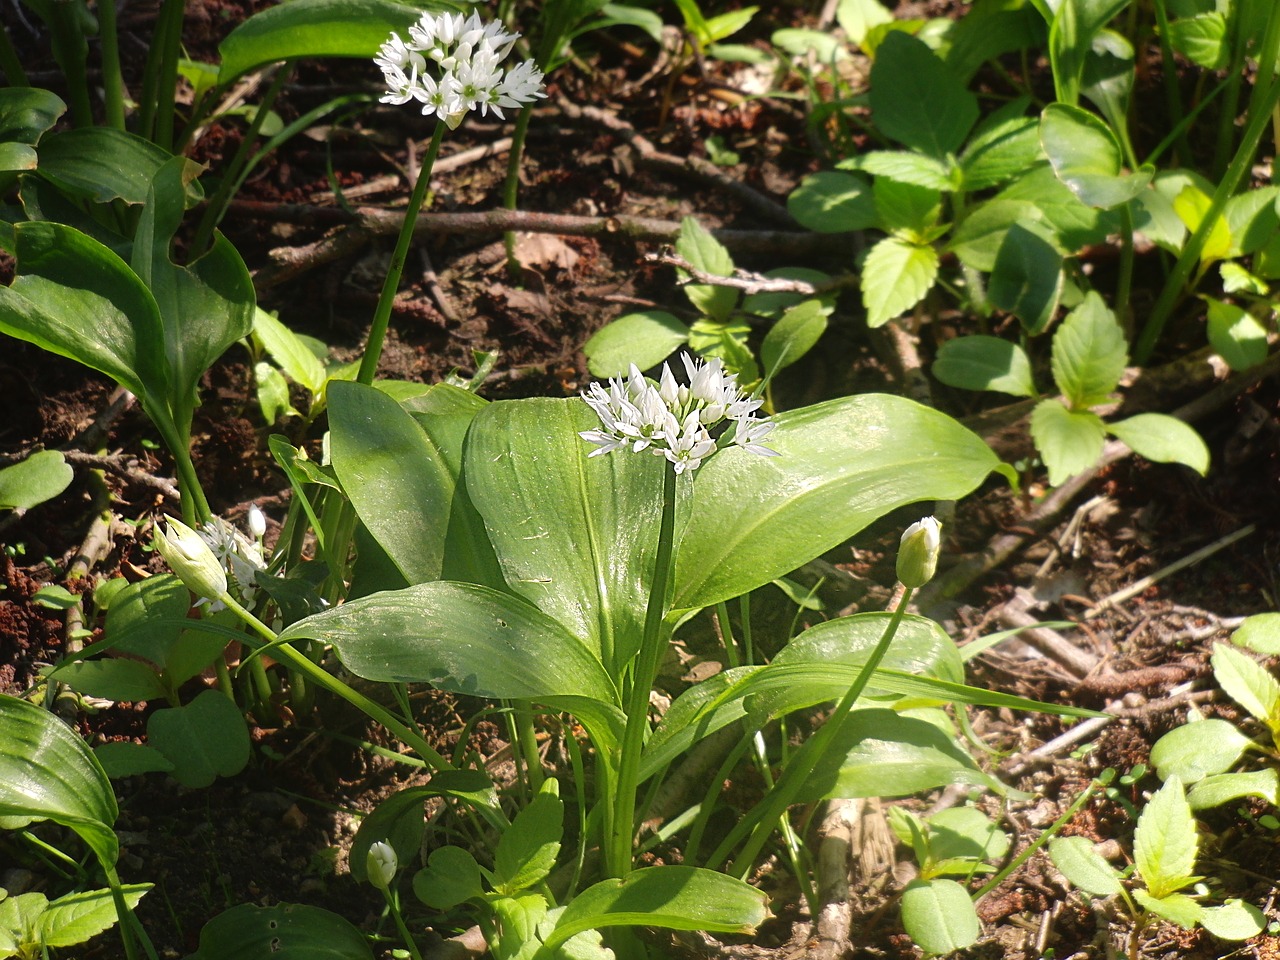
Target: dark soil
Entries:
(279, 831)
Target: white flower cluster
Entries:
(453, 65)
(676, 421)
(238, 556)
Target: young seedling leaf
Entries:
(704, 252)
(1163, 439)
(1247, 682)
(1085, 156)
(450, 877)
(1082, 865)
(1089, 353)
(645, 339)
(40, 477)
(1223, 788)
(1192, 205)
(527, 850)
(287, 930)
(833, 202)
(1260, 633)
(1233, 920)
(1027, 279)
(290, 351)
(146, 618)
(1239, 338)
(124, 759)
(1164, 843)
(1069, 441)
(1199, 749)
(939, 916)
(896, 275)
(203, 739)
(1175, 907)
(981, 362)
(916, 100)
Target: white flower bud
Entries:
(381, 864)
(918, 552)
(257, 522)
(191, 559)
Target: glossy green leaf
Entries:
(575, 535)
(842, 464)
(26, 114)
(794, 335)
(1252, 219)
(833, 202)
(678, 898)
(1163, 439)
(896, 275)
(40, 477)
(938, 916)
(1085, 868)
(704, 252)
(102, 164)
(916, 100)
(1164, 843)
(460, 637)
(1236, 335)
(1027, 277)
(1247, 682)
(1233, 920)
(527, 850)
(1198, 749)
(985, 363)
(47, 772)
(77, 917)
(286, 931)
(1085, 156)
(1259, 633)
(315, 28)
(1069, 441)
(1089, 353)
(203, 739)
(645, 339)
(1223, 788)
(76, 298)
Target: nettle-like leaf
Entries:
(905, 208)
(1198, 749)
(1082, 865)
(982, 362)
(1069, 441)
(1027, 277)
(1248, 683)
(706, 253)
(1202, 39)
(1237, 336)
(1163, 439)
(896, 275)
(1086, 156)
(1001, 151)
(1089, 353)
(833, 202)
(1175, 907)
(916, 100)
(906, 166)
(1165, 842)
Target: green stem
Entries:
(1124, 283)
(112, 80)
(618, 856)
(167, 71)
(1266, 96)
(511, 188)
(1169, 68)
(10, 63)
(394, 906)
(762, 820)
(382, 313)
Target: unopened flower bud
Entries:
(257, 522)
(918, 552)
(191, 559)
(381, 864)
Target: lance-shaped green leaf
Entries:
(102, 164)
(1164, 843)
(460, 637)
(678, 898)
(842, 464)
(403, 481)
(76, 917)
(284, 930)
(26, 114)
(1084, 867)
(1108, 76)
(574, 534)
(48, 773)
(1225, 787)
(1071, 35)
(1086, 156)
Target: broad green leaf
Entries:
(290, 351)
(315, 28)
(1223, 788)
(1198, 749)
(527, 850)
(1083, 866)
(1175, 907)
(1108, 76)
(76, 298)
(938, 916)
(1163, 439)
(1000, 153)
(1075, 224)
(1248, 683)
(1192, 205)
(1164, 843)
(1236, 279)
(1260, 633)
(857, 17)
(287, 931)
(1085, 156)
(677, 898)
(1027, 278)
(460, 637)
(112, 679)
(403, 481)
(842, 464)
(916, 100)
(575, 535)
(904, 208)
(896, 275)
(1202, 39)
(77, 917)
(1236, 335)
(793, 336)
(965, 833)
(124, 759)
(1233, 920)
(145, 617)
(833, 202)
(102, 164)
(47, 772)
(907, 167)
(981, 362)
(1089, 353)
(203, 739)
(704, 252)
(988, 30)
(879, 753)
(645, 339)
(26, 114)
(450, 877)
(1069, 441)
(1251, 219)
(40, 477)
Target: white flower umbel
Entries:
(683, 423)
(453, 65)
(239, 557)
